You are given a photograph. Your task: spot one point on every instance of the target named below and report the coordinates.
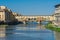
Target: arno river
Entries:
(27, 32)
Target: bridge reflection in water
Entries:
(25, 32)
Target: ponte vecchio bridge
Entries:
(7, 15)
(37, 19)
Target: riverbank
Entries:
(10, 23)
(52, 27)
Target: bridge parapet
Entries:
(35, 18)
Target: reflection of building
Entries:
(2, 30)
(57, 35)
(6, 30)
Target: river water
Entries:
(25, 32)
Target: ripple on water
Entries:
(20, 32)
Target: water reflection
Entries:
(25, 32)
(9, 30)
(57, 35)
(2, 30)
(5, 31)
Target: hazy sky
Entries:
(31, 7)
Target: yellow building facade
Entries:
(6, 14)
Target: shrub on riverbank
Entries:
(52, 27)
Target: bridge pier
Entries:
(24, 22)
(39, 22)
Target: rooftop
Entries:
(56, 6)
